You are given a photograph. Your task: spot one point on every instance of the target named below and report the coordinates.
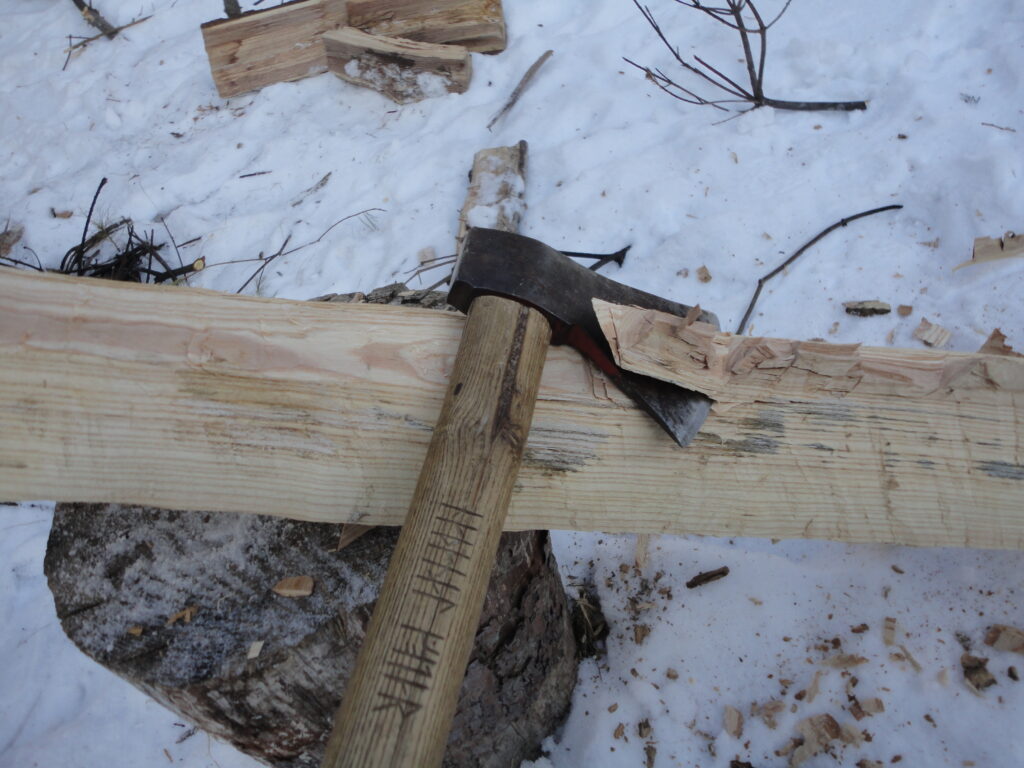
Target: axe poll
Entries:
(520, 296)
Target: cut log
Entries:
(188, 399)
(478, 25)
(403, 70)
(497, 187)
(261, 48)
(266, 672)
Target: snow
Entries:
(612, 161)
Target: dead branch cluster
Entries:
(743, 17)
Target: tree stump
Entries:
(181, 604)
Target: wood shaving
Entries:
(640, 633)
(703, 275)
(904, 310)
(254, 649)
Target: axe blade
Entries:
(493, 262)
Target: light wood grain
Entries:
(398, 704)
(497, 188)
(478, 25)
(270, 46)
(405, 71)
(188, 399)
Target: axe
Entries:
(520, 296)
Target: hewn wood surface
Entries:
(270, 46)
(265, 672)
(184, 398)
(478, 25)
(399, 702)
(405, 71)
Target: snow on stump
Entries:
(249, 626)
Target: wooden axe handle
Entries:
(399, 703)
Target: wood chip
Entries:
(640, 633)
(860, 628)
(865, 763)
(844, 661)
(703, 274)
(185, 615)
(866, 708)
(295, 586)
(768, 711)
(932, 334)
(976, 673)
(60, 214)
(818, 732)
(994, 248)
(706, 577)
(910, 658)
(996, 344)
(904, 310)
(733, 722)
(135, 631)
(889, 630)
(643, 728)
(613, 707)
(650, 753)
(10, 236)
(620, 731)
(866, 308)
(351, 532)
(1012, 672)
(814, 687)
(254, 649)
(1005, 638)
(671, 674)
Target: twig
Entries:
(520, 88)
(731, 16)
(95, 19)
(1000, 127)
(85, 231)
(83, 42)
(282, 252)
(706, 577)
(800, 251)
(21, 263)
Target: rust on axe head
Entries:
(493, 262)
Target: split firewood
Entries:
(497, 186)
(405, 71)
(866, 308)
(932, 334)
(271, 46)
(1005, 638)
(995, 248)
(478, 25)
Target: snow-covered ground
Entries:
(612, 161)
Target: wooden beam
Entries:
(260, 48)
(478, 25)
(405, 71)
(182, 398)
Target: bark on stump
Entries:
(119, 575)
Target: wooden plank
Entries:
(183, 398)
(405, 71)
(270, 46)
(478, 25)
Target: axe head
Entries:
(493, 262)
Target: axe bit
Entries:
(520, 296)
